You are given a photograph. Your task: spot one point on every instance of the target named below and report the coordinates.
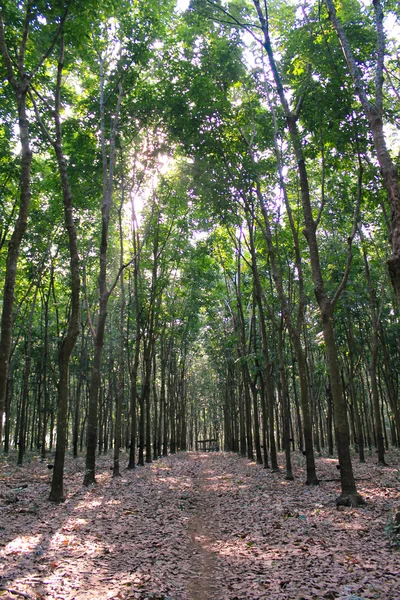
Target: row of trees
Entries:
(196, 216)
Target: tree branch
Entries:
(131, 261)
(396, 93)
(6, 57)
(40, 121)
(380, 56)
(236, 21)
(22, 48)
(351, 237)
(348, 54)
(53, 43)
(89, 318)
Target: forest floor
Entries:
(197, 527)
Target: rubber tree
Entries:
(349, 494)
(69, 340)
(372, 105)
(19, 77)
(108, 153)
(372, 367)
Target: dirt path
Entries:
(196, 527)
(203, 582)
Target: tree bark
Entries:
(285, 406)
(25, 385)
(120, 384)
(349, 493)
(104, 293)
(16, 238)
(374, 114)
(68, 343)
(373, 365)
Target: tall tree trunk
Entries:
(269, 389)
(388, 376)
(247, 405)
(146, 401)
(135, 365)
(353, 395)
(121, 370)
(25, 388)
(264, 415)
(104, 293)
(373, 111)
(239, 322)
(293, 328)
(46, 382)
(285, 406)
(133, 408)
(373, 364)
(157, 411)
(242, 421)
(183, 409)
(77, 407)
(349, 493)
(19, 81)
(94, 387)
(7, 428)
(68, 343)
(163, 399)
(172, 409)
(271, 406)
(14, 244)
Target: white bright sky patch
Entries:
(166, 161)
(182, 5)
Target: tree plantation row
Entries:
(200, 230)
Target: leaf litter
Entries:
(197, 526)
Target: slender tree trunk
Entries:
(121, 370)
(354, 398)
(373, 111)
(25, 388)
(293, 330)
(104, 293)
(285, 406)
(135, 364)
(94, 387)
(77, 411)
(300, 444)
(7, 429)
(271, 406)
(19, 81)
(163, 400)
(15, 240)
(172, 409)
(373, 364)
(264, 414)
(146, 402)
(46, 382)
(157, 410)
(68, 343)
(247, 399)
(183, 428)
(242, 421)
(388, 376)
(133, 408)
(242, 353)
(269, 390)
(349, 493)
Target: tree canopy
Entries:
(200, 230)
